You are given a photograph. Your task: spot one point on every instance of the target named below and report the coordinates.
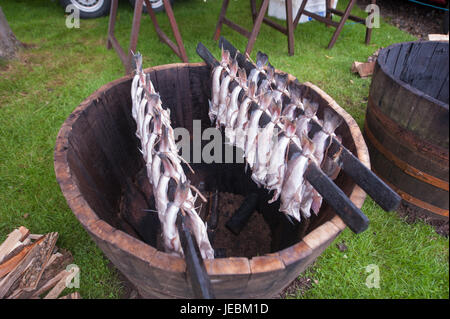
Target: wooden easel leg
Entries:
(341, 23)
(328, 12)
(253, 8)
(290, 27)
(223, 11)
(134, 33)
(300, 12)
(176, 32)
(369, 30)
(256, 26)
(112, 22)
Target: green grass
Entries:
(40, 89)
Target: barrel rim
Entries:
(404, 84)
(148, 254)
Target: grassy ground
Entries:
(41, 88)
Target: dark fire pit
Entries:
(99, 169)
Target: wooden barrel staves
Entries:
(98, 165)
(406, 126)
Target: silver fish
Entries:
(224, 94)
(265, 145)
(277, 162)
(322, 138)
(261, 60)
(232, 113)
(215, 87)
(242, 118)
(293, 184)
(252, 132)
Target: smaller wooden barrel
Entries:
(406, 126)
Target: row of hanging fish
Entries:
(271, 125)
(172, 190)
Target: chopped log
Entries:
(14, 275)
(13, 261)
(35, 236)
(51, 283)
(74, 295)
(33, 274)
(364, 69)
(437, 37)
(60, 261)
(11, 241)
(62, 283)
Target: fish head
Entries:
(266, 100)
(233, 68)
(225, 57)
(263, 87)
(242, 77)
(295, 94)
(310, 108)
(308, 146)
(182, 193)
(137, 59)
(261, 60)
(281, 81)
(275, 110)
(270, 73)
(331, 120)
(289, 128)
(157, 123)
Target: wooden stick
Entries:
(357, 220)
(8, 281)
(380, 192)
(61, 285)
(214, 215)
(73, 295)
(196, 270)
(51, 283)
(33, 274)
(336, 198)
(16, 236)
(10, 264)
(242, 215)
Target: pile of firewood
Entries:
(32, 267)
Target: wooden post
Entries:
(8, 41)
(256, 26)
(125, 57)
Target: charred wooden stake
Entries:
(378, 190)
(349, 213)
(242, 215)
(336, 198)
(195, 267)
(214, 215)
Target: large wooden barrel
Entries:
(97, 160)
(406, 126)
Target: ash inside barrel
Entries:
(253, 240)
